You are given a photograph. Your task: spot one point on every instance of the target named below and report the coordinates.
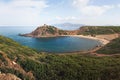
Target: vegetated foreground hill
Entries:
(51, 31)
(28, 64)
(111, 48)
(10, 53)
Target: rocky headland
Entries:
(49, 31)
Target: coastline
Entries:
(104, 39)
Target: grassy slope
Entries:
(90, 30)
(111, 48)
(74, 67)
(61, 67)
(13, 48)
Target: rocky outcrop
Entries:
(49, 31)
(8, 76)
(6, 63)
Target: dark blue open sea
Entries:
(56, 44)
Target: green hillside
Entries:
(13, 48)
(96, 30)
(111, 48)
(57, 67)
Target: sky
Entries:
(38, 12)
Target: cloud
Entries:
(95, 10)
(118, 5)
(22, 11)
(80, 3)
(91, 10)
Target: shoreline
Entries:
(103, 41)
(101, 38)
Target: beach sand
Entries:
(104, 39)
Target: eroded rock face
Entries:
(49, 31)
(8, 76)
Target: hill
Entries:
(97, 30)
(28, 64)
(111, 48)
(10, 53)
(51, 31)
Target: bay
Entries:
(53, 44)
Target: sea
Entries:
(52, 44)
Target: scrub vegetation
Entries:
(58, 67)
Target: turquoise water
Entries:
(55, 44)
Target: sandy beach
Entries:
(104, 39)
